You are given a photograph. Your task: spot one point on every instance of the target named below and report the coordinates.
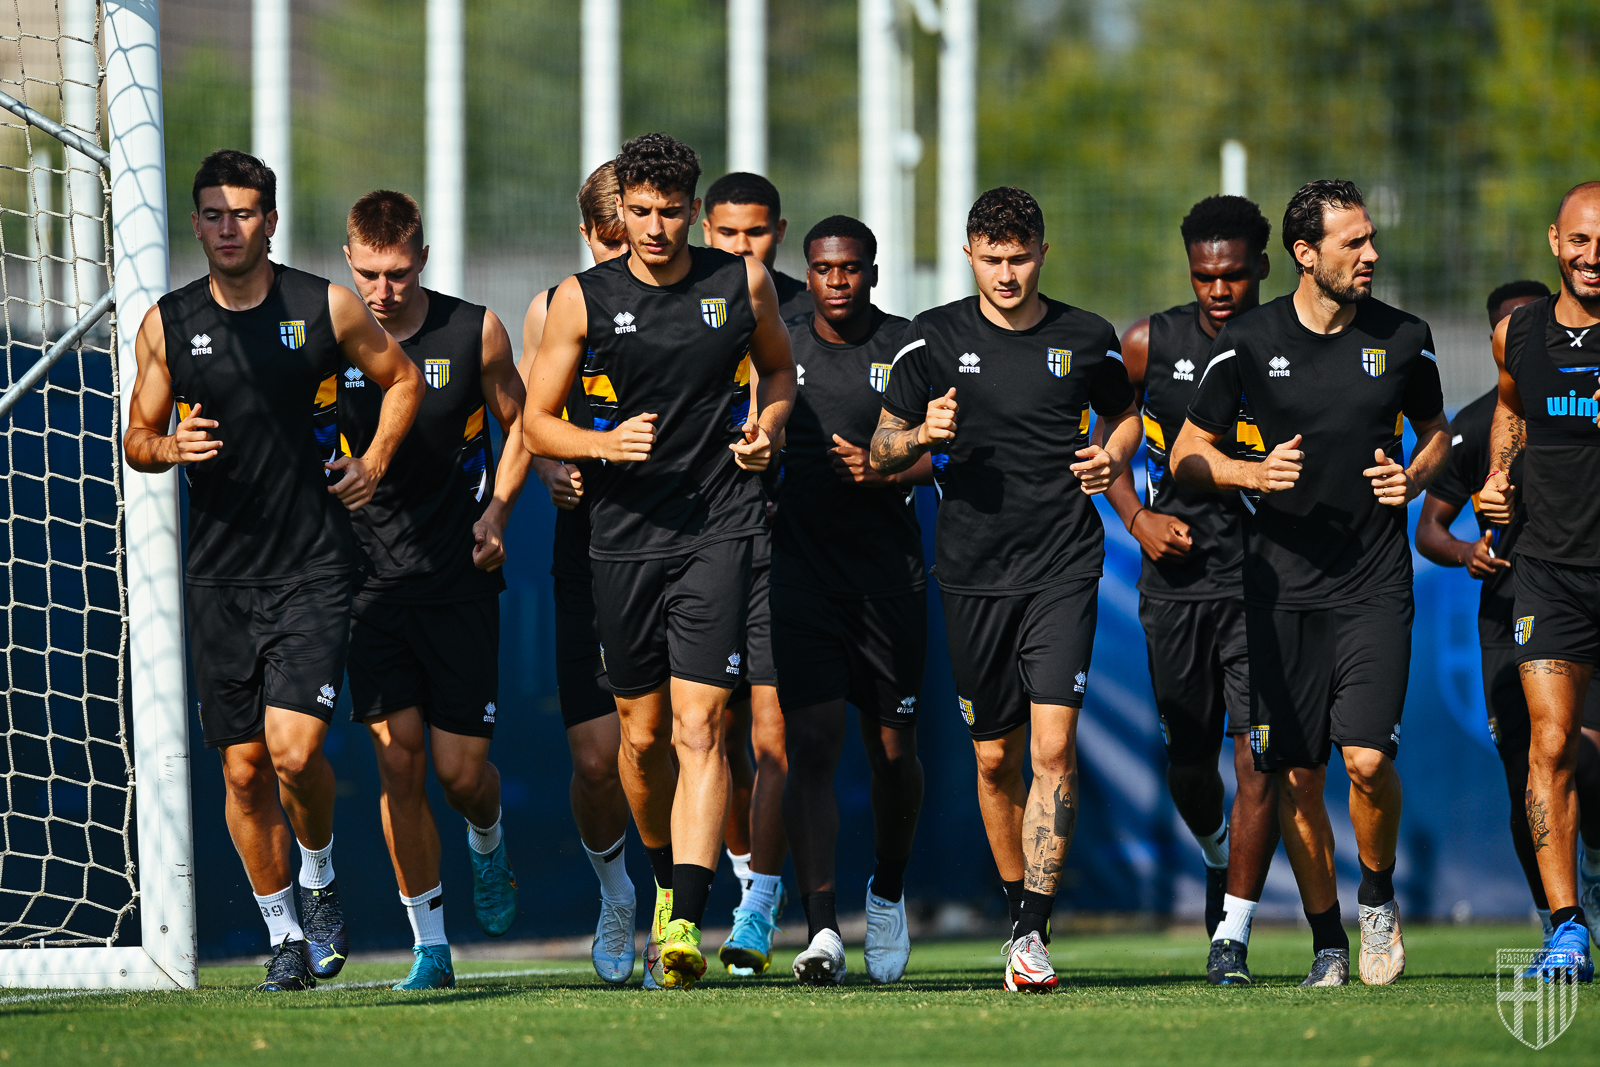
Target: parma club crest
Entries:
(1374, 360)
(880, 376)
(437, 371)
(714, 310)
(1059, 360)
(966, 709)
(1259, 737)
(1522, 630)
(293, 334)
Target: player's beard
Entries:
(1339, 290)
(1583, 294)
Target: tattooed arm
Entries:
(897, 444)
(1507, 436)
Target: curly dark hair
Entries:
(229, 166)
(742, 187)
(1227, 218)
(846, 227)
(1512, 290)
(660, 162)
(1006, 213)
(1303, 218)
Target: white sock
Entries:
(1591, 861)
(486, 840)
(741, 871)
(762, 896)
(426, 913)
(1215, 846)
(1544, 922)
(611, 868)
(282, 922)
(1236, 916)
(316, 868)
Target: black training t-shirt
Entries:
(842, 540)
(1178, 352)
(260, 512)
(1556, 375)
(1012, 518)
(1460, 482)
(680, 351)
(1327, 541)
(794, 299)
(414, 538)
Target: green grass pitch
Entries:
(1125, 999)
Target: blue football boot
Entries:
(494, 890)
(1567, 958)
(430, 970)
(322, 919)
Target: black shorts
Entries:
(255, 647)
(1200, 672)
(1010, 650)
(1328, 676)
(871, 653)
(681, 617)
(581, 684)
(759, 668)
(1557, 613)
(443, 659)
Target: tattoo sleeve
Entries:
(1048, 826)
(1517, 436)
(894, 445)
(1538, 826)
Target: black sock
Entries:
(889, 879)
(1377, 887)
(1327, 930)
(820, 912)
(1561, 915)
(661, 864)
(691, 886)
(1013, 900)
(1033, 913)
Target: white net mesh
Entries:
(66, 848)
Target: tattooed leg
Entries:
(1555, 690)
(1052, 811)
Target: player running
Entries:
(1547, 411)
(1012, 376)
(1488, 559)
(251, 354)
(676, 508)
(1191, 593)
(588, 710)
(849, 602)
(743, 217)
(425, 623)
(1328, 374)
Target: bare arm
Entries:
(549, 378)
(772, 365)
(378, 356)
(503, 395)
(897, 444)
(1438, 544)
(1195, 459)
(147, 444)
(853, 465)
(563, 480)
(1508, 435)
(1099, 467)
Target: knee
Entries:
(595, 770)
(399, 764)
(1370, 771)
(998, 769)
(295, 763)
(1301, 787)
(462, 783)
(642, 742)
(248, 779)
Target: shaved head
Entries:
(1583, 190)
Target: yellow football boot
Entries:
(682, 962)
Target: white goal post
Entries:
(151, 688)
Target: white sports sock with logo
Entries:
(1236, 916)
(1215, 846)
(1591, 861)
(762, 896)
(282, 922)
(426, 913)
(486, 840)
(741, 871)
(316, 867)
(611, 868)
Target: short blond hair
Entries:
(385, 219)
(597, 203)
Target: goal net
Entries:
(71, 882)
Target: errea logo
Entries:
(733, 664)
(327, 695)
(201, 343)
(624, 321)
(353, 378)
(1183, 370)
(1279, 367)
(488, 712)
(969, 363)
